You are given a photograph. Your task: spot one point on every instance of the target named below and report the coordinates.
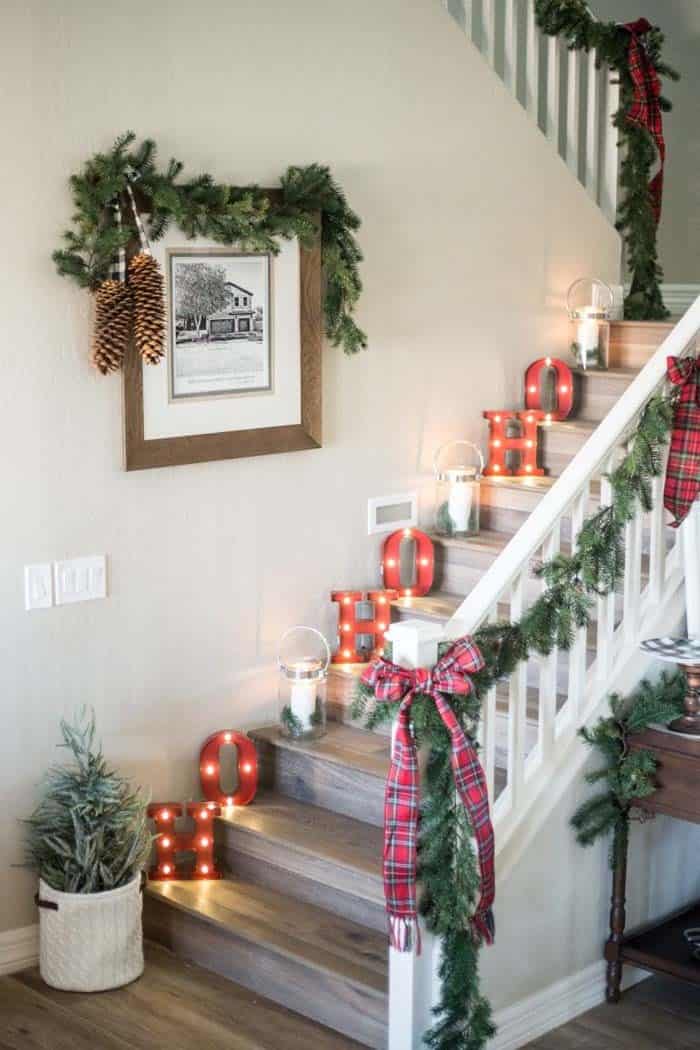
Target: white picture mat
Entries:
(281, 406)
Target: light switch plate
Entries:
(80, 579)
(38, 587)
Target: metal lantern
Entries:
(458, 490)
(304, 655)
(590, 303)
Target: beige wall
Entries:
(208, 564)
(679, 234)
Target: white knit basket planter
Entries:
(89, 942)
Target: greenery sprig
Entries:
(572, 20)
(245, 215)
(89, 831)
(447, 866)
(627, 775)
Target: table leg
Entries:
(613, 947)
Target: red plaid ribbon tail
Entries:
(683, 468)
(484, 926)
(645, 110)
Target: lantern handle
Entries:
(311, 630)
(469, 444)
(593, 281)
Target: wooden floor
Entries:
(172, 1007)
(658, 1014)
(181, 1007)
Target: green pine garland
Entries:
(572, 20)
(627, 775)
(200, 207)
(447, 866)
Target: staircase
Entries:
(299, 915)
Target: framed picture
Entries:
(219, 323)
(242, 375)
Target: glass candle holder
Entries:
(303, 661)
(458, 491)
(589, 303)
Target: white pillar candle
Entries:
(302, 701)
(459, 502)
(587, 335)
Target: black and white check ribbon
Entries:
(117, 271)
(680, 650)
(145, 247)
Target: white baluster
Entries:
(657, 544)
(633, 577)
(577, 654)
(517, 705)
(592, 125)
(605, 633)
(461, 11)
(510, 47)
(532, 63)
(488, 31)
(573, 110)
(691, 564)
(611, 159)
(487, 731)
(553, 89)
(548, 669)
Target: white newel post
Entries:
(691, 566)
(414, 643)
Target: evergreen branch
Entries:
(247, 216)
(572, 21)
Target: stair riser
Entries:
(598, 393)
(347, 892)
(356, 1012)
(304, 776)
(631, 345)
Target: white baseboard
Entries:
(19, 949)
(533, 1017)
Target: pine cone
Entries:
(113, 308)
(146, 283)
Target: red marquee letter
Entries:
(564, 387)
(424, 562)
(349, 627)
(246, 763)
(525, 444)
(171, 842)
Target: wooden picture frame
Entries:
(143, 453)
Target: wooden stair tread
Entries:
(438, 605)
(342, 745)
(311, 829)
(619, 372)
(300, 931)
(486, 540)
(518, 483)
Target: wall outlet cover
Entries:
(80, 579)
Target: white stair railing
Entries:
(653, 573)
(566, 94)
(603, 658)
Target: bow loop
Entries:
(683, 370)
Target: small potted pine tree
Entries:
(88, 841)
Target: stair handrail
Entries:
(529, 539)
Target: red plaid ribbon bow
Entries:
(683, 469)
(646, 109)
(401, 802)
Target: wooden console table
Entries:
(658, 946)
